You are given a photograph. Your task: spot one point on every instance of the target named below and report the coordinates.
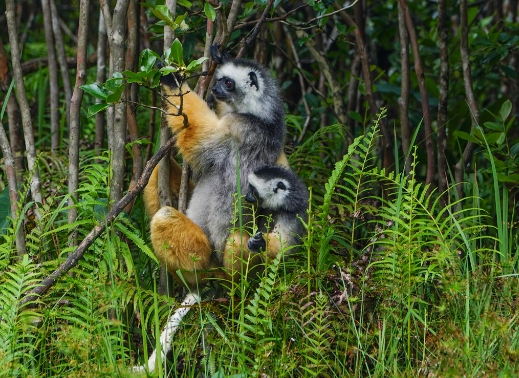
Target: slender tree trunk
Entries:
(100, 78)
(443, 35)
(165, 281)
(13, 189)
(459, 168)
(15, 134)
(75, 119)
(117, 42)
(23, 103)
(403, 101)
(53, 77)
(62, 59)
(429, 142)
(132, 94)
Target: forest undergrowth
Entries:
(393, 279)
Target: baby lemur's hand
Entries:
(257, 243)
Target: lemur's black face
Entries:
(224, 89)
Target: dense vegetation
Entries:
(401, 120)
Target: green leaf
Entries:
(508, 178)
(94, 109)
(147, 59)
(514, 150)
(185, 3)
(506, 108)
(501, 139)
(116, 95)
(168, 69)
(493, 126)
(95, 90)
(177, 53)
(355, 116)
(133, 77)
(467, 136)
(209, 11)
(195, 64)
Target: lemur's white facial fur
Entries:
(249, 92)
(271, 194)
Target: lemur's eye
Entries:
(229, 84)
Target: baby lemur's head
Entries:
(277, 188)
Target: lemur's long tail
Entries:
(171, 327)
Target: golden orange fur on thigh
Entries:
(151, 191)
(178, 242)
(274, 244)
(237, 257)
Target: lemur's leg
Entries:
(237, 258)
(151, 191)
(179, 243)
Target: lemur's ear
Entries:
(253, 79)
(220, 57)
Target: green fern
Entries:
(18, 329)
(257, 322)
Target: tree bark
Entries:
(100, 78)
(165, 280)
(429, 142)
(62, 59)
(459, 168)
(131, 93)
(24, 105)
(13, 190)
(53, 78)
(443, 35)
(403, 100)
(117, 42)
(75, 119)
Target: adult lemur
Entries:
(246, 131)
(282, 201)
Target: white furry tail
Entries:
(170, 328)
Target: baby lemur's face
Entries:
(268, 194)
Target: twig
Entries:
(117, 208)
(247, 41)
